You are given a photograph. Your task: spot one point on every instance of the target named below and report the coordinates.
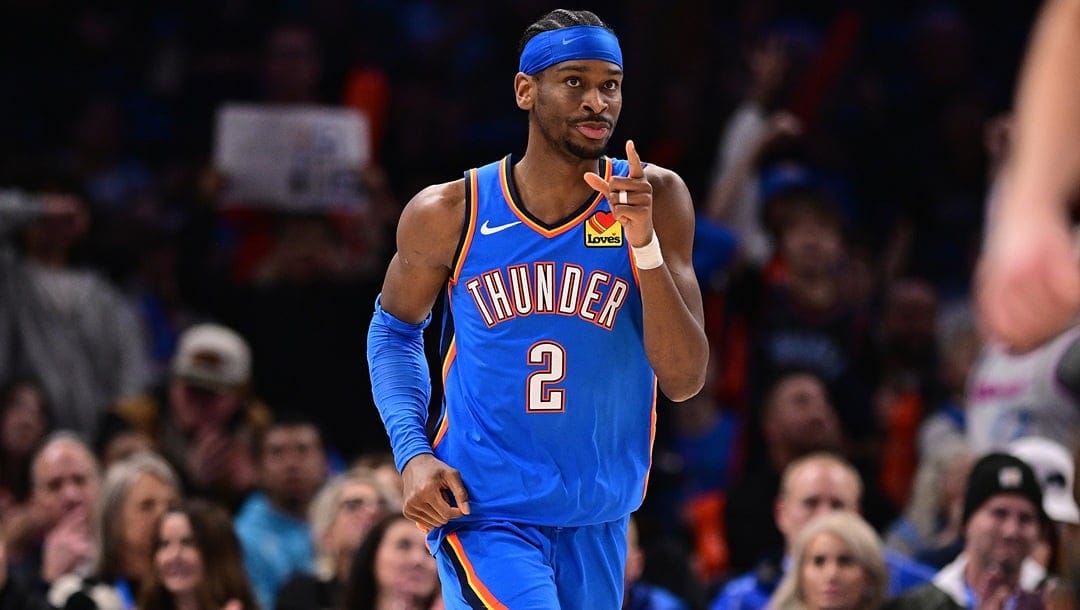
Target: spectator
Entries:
(909, 380)
(74, 330)
(134, 494)
(381, 465)
(813, 485)
(205, 419)
(1055, 469)
(341, 515)
(959, 343)
(753, 129)
(393, 569)
(24, 423)
(1002, 519)
(797, 418)
(53, 535)
(272, 524)
(838, 565)
(197, 562)
(930, 529)
(639, 594)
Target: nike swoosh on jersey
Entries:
(486, 230)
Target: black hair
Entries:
(287, 418)
(361, 588)
(558, 19)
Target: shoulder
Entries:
(744, 587)
(666, 181)
(431, 223)
(437, 202)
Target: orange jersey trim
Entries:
(470, 228)
(473, 580)
(504, 173)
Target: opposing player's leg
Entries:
(498, 566)
(590, 562)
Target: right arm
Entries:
(427, 237)
(1028, 276)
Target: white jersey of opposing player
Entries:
(1016, 395)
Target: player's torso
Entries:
(1013, 396)
(546, 382)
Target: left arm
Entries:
(657, 200)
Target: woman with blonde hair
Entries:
(341, 515)
(134, 494)
(837, 563)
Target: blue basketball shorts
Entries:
(501, 565)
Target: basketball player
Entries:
(569, 298)
(1028, 281)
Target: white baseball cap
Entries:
(212, 356)
(1055, 469)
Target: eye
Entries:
(818, 560)
(612, 85)
(573, 81)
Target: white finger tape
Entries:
(622, 197)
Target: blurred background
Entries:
(840, 155)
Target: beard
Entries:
(584, 152)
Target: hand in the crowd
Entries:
(991, 591)
(428, 481)
(67, 545)
(782, 126)
(233, 604)
(209, 456)
(1028, 281)
(635, 215)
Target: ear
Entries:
(525, 90)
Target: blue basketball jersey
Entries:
(549, 400)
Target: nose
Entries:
(594, 101)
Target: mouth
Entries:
(594, 130)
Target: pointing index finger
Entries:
(636, 171)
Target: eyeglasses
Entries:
(352, 505)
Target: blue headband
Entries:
(576, 42)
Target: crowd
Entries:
(185, 413)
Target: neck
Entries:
(187, 601)
(392, 601)
(550, 185)
(343, 566)
(134, 566)
(289, 506)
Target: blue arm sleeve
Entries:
(400, 382)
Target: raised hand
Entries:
(634, 209)
(66, 546)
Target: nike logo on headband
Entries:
(569, 40)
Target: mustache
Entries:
(594, 118)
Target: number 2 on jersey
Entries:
(540, 395)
